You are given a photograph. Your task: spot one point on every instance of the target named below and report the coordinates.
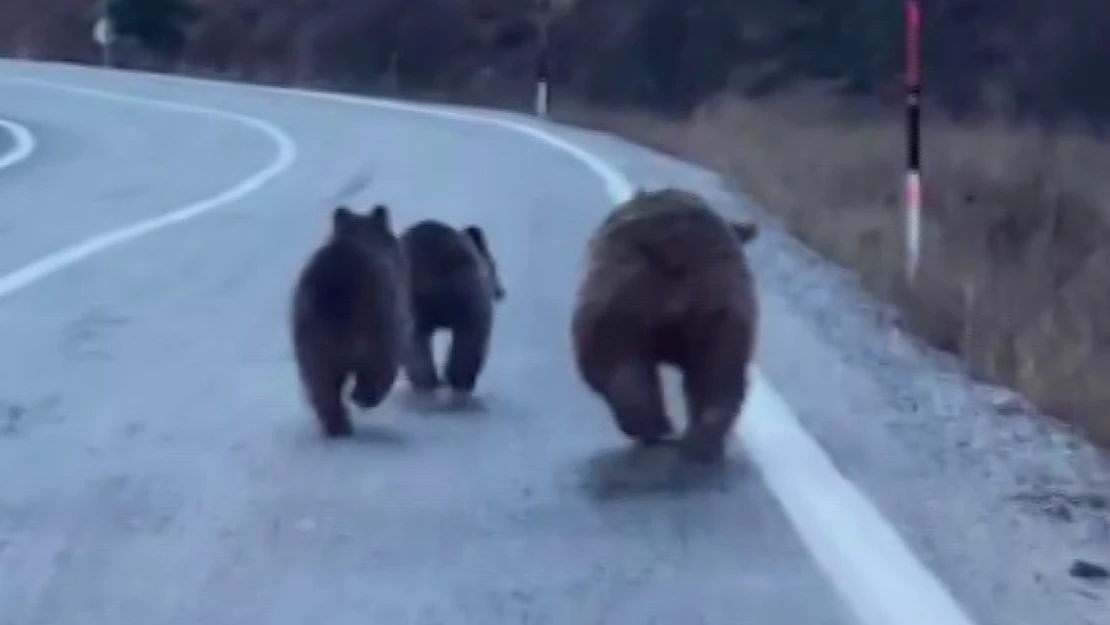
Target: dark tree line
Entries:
(160, 26)
(1026, 57)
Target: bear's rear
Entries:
(667, 282)
(667, 260)
(351, 317)
(454, 285)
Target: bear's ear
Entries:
(478, 238)
(342, 218)
(475, 234)
(381, 218)
(744, 230)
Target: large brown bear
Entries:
(668, 283)
(350, 316)
(454, 286)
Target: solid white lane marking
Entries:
(48, 265)
(24, 144)
(874, 569)
(865, 558)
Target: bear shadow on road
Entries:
(374, 434)
(634, 471)
(366, 433)
(441, 403)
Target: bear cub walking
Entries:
(667, 282)
(454, 286)
(350, 316)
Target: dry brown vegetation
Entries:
(1015, 273)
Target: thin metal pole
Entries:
(106, 46)
(913, 137)
(543, 95)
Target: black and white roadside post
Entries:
(543, 59)
(913, 137)
(103, 34)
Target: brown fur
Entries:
(350, 317)
(455, 285)
(668, 283)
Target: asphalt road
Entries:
(158, 463)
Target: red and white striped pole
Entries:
(913, 136)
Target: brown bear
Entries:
(454, 286)
(668, 282)
(350, 316)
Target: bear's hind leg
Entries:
(715, 389)
(420, 366)
(373, 381)
(635, 397)
(467, 356)
(324, 387)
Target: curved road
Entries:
(158, 464)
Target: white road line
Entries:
(46, 266)
(866, 559)
(24, 144)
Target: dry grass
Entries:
(1016, 259)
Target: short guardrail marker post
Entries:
(913, 137)
(543, 9)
